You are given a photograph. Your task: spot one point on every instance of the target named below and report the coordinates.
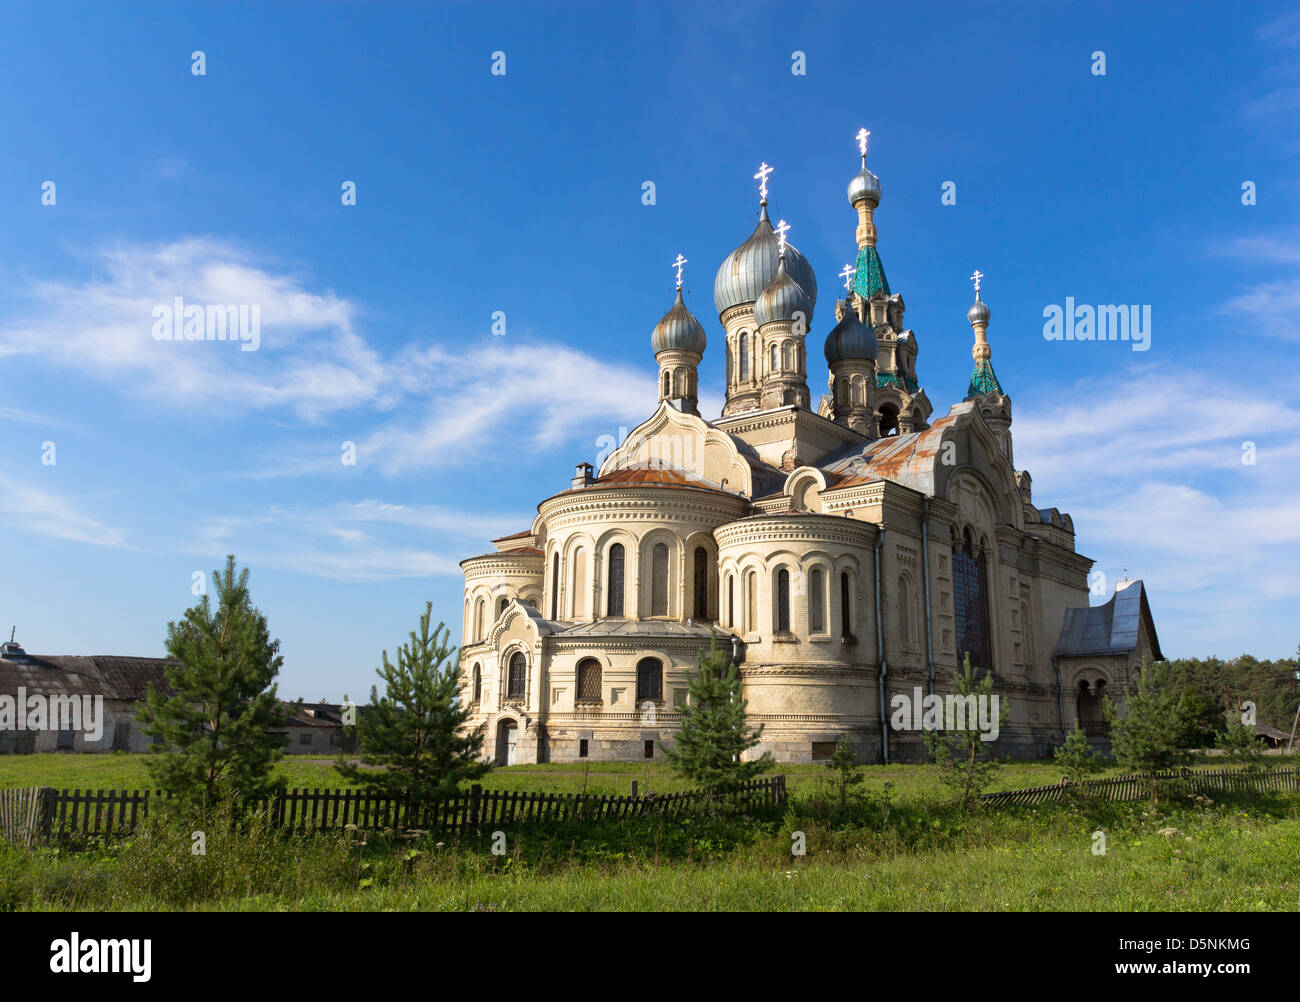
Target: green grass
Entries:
(120, 770)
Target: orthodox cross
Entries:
(977, 276)
(761, 177)
(862, 143)
(782, 228)
(847, 274)
(678, 265)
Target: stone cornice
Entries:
(768, 529)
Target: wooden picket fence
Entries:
(1177, 782)
(40, 815)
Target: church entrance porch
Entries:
(507, 742)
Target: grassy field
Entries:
(120, 770)
(904, 849)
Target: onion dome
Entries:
(751, 267)
(850, 339)
(978, 313)
(678, 330)
(783, 299)
(864, 185)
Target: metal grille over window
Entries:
(701, 584)
(616, 580)
(589, 679)
(783, 601)
(649, 679)
(518, 670)
(816, 612)
(970, 599)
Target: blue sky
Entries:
(522, 193)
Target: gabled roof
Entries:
(1110, 628)
(104, 675)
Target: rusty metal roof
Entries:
(905, 459)
(513, 535)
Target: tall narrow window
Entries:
(701, 584)
(478, 683)
(731, 601)
(905, 609)
(816, 602)
(615, 600)
(502, 602)
(555, 587)
(649, 679)
(788, 358)
(751, 602)
(744, 356)
(783, 601)
(667, 391)
(659, 580)
(579, 601)
(589, 677)
(846, 626)
(478, 620)
(518, 674)
(776, 357)
(970, 601)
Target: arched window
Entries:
(816, 602)
(888, 421)
(615, 599)
(846, 610)
(970, 601)
(478, 683)
(518, 676)
(701, 584)
(1027, 632)
(844, 392)
(751, 602)
(579, 600)
(478, 620)
(555, 587)
(788, 357)
(502, 602)
(744, 356)
(667, 390)
(649, 679)
(783, 601)
(659, 580)
(731, 372)
(859, 391)
(776, 357)
(679, 383)
(589, 676)
(731, 601)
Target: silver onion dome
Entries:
(750, 268)
(864, 185)
(783, 299)
(678, 330)
(978, 313)
(851, 338)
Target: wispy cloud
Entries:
(46, 513)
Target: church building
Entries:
(847, 551)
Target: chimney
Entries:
(582, 475)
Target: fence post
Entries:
(475, 797)
(44, 815)
(634, 789)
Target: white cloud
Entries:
(45, 513)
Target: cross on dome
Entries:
(782, 228)
(862, 143)
(977, 276)
(847, 274)
(761, 178)
(678, 265)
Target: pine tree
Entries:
(1149, 736)
(844, 760)
(1243, 746)
(1076, 757)
(417, 729)
(713, 732)
(212, 735)
(966, 761)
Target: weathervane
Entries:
(977, 276)
(678, 265)
(761, 177)
(782, 228)
(862, 143)
(847, 274)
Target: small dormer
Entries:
(12, 651)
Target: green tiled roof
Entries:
(983, 380)
(884, 379)
(870, 275)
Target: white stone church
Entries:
(845, 551)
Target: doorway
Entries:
(507, 742)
